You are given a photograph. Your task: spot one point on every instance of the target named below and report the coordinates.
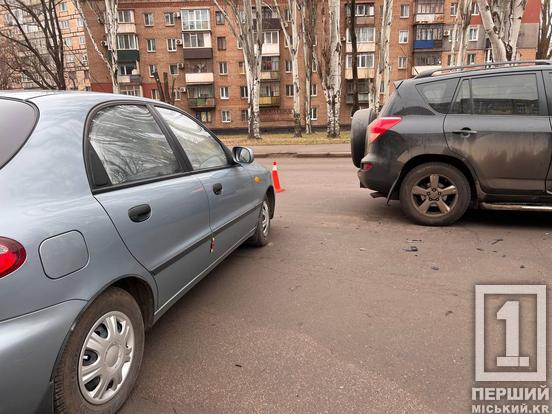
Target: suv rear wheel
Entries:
(435, 194)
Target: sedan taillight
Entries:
(381, 125)
(12, 256)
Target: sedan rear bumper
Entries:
(29, 347)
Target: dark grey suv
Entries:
(459, 137)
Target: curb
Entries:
(304, 155)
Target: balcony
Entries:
(365, 20)
(129, 79)
(270, 75)
(268, 101)
(128, 56)
(198, 53)
(196, 103)
(363, 73)
(361, 47)
(429, 18)
(428, 44)
(362, 98)
(271, 49)
(200, 78)
(126, 28)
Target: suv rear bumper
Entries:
(29, 347)
(381, 175)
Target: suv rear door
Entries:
(498, 123)
(548, 84)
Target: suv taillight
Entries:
(12, 256)
(380, 126)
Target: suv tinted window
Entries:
(462, 103)
(202, 149)
(130, 144)
(506, 95)
(17, 120)
(438, 94)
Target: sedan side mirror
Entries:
(243, 155)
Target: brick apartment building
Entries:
(75, 50)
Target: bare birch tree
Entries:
(246, 24)
(309, 19)
(290, 29)
(330, 63)
(166, 91)
(502, 22)
(34, 34)
(460, 33)
(545, 31)
(6, 72)
(106, 13)
(383, 71)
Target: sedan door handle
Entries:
(465, 131)
(217, 188)
(140, 213)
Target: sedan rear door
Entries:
(158, 208)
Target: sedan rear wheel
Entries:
(435, 194)
(102, 357)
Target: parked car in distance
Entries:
(113, 207)
(459, 137)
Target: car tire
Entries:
(118, 355)
(435, 194)
(262, 232)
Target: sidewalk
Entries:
(303, 151)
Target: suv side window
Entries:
(130, 145)
(506, 95)
(438, 94)
(462, 103)
(202, 149)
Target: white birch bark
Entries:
(308, 27)
(384, 68)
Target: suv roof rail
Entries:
(490, 65)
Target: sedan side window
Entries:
(202, 149)
(130, 145)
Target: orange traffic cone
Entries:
(275, 178)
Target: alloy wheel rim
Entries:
(265, 219)
(106, 358)
(434, 195)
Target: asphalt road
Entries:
(336, 315)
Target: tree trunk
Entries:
(545, 31)
(112, 26)
(308, 25)
(354, 56)
(383, 71)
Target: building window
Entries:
(287, 15)
(126, 42)
(289, 66)
(126, 70)
(226, 117)
(64, 24)
(244, 92)
(177, 95)
(402, 62)
(63, 6)
(224, 93)
(82, 40)
(171, 45)
(221, 43)
(195, 19)
(366, 9)
(453, 9)
(314, 89)
(403, 36)
(192, 40)
(364, 60)
(148, 19)
(69, 42)
(471, 58)
(271, 38)
(364, 34)
(219, 17)
(173, 69)
(205, 116)
(405, 10)
(475, 8)
(152, 70)
(270, 64)
(289, 90)
(241, 66)
(428, 59)
(169, 19)
(429, 7)
(80, 22)
(223, 68)
(126, 16)
(244, 115)
(429, 32)
(473, 34)
(314, 65)
(151, 45)
(70, 59)
(154, 94)
(314, 114)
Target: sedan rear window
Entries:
(17, 120)
(439, 94)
